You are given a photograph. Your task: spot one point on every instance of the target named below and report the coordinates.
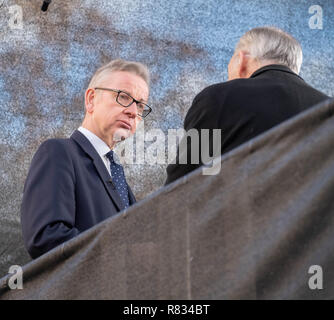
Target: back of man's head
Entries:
(270, 45)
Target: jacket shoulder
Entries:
(55, 148)
(56, 143)
(220, 90)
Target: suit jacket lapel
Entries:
(100, 168)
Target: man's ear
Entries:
(243, 64)
(89, 100)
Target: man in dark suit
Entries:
(75, 183)
(263, 90)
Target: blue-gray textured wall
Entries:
(47, 59)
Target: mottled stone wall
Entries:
(48, 58)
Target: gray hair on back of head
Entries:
(274, 45)
(136, 68)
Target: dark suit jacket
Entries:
(244, 108)
(67, 191)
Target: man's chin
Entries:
(121, 134)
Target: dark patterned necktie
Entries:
(118, 178)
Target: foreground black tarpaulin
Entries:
(253, 231)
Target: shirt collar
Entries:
(277, 67)
(100, 146)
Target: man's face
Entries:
(233, 67)
(111, 121)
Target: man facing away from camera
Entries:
(264, 89)
(75, 183)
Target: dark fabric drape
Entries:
(250, 232)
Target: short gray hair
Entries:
(273, 44)
(136, 68)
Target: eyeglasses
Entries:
(125, 100)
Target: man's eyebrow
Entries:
(141, 100)
(127, 92)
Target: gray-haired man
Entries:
(76, 183)
(264, 90)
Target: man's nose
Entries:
(131, 110)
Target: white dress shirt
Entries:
(99, 145)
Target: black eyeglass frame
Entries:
(133, 100)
